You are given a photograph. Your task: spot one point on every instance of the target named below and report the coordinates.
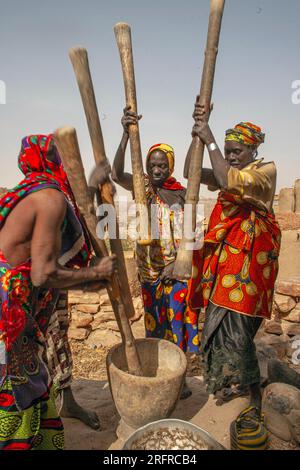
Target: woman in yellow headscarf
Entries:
(167, 315)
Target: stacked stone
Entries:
(279, 338)
(281, 406)
(284, 327)
(93, 320)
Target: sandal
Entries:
(248, 431)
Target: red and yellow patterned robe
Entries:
(238, 265)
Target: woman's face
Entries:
(158, 167)
(238, 155)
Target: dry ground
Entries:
(90, 378)
(89, 364)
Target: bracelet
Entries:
(211, 147)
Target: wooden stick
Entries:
(183, 264)
(123, 37)
(67, 144)
(80, 62)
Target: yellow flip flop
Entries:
(248, 431)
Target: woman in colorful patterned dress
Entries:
(167, 315)
(42, 248)
(235, 273)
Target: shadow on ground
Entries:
(95, 395)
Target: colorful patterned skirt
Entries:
(167, 315)
(59, 356)
(36, 428)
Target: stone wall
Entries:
(279, 339)
(92, 318)
(284, 327)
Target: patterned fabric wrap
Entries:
(153, 258)
(59, 356)
(246, 133)
(37, 428)
(238, 266)
(24, 316)
(172, 184)
(25, 311)
(167, 315)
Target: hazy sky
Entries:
(257, 63)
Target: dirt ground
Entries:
(91, 389)
(90, 363)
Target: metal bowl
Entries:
(173, 424)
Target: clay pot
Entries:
(141, 400)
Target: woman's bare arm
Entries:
(207, 174)
(119, 176)
(50, 208)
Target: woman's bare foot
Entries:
(71, 409)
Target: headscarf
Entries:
(39, 158)
(40, 162)
(171, 183)
(246, 133)
(167, 150)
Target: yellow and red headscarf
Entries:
(170, 183)
(167, 150)
(246, 133)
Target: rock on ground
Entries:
(291, 329)
(294, 315)
(78, 333)
(103, 338)
(281, 405)
(284, 303)
(277, 343)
